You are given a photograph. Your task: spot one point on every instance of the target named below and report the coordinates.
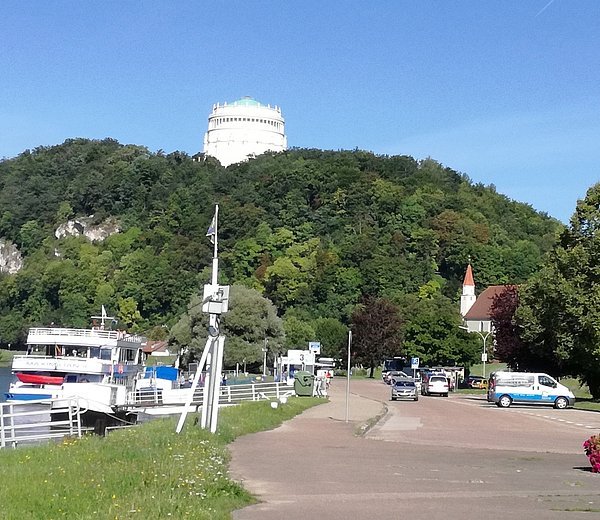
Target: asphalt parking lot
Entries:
(454, 457)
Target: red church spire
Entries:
(469, 276)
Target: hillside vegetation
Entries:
(314, 231)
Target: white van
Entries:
(506, 388)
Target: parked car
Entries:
(435, 384)
(476, 382)
(392, 375)
(404, 389)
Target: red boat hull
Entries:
(39, 379)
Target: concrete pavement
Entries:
(315, 465)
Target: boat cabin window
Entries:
(127, 354)
(78, 352)
(105, 353)
(56, 350)
(38, 350)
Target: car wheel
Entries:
(417, 398)
(561, 403)
(445, 395)
(393, 398)
(505, 401)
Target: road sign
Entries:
(314, 346)
(414, 362)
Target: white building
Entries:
(243, 129)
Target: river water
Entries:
(5, 379)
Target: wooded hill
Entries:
(314, 231)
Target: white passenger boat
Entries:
(57, 358)
(65, 362)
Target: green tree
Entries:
(432, 334)
(559, 311)
(250, 321)
(31, 236)
(128, 314)
(333, 336)
(312, 230)
(298, 333)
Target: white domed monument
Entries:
(243, 129)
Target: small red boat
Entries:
(39, 379)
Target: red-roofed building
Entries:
(476, 310)
(478, 318)
(157, 348)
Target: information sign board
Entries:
(314, 346)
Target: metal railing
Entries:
(229, 394)
(64, 332)
(32, 422)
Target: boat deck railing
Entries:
(63, 332)
(32, 422)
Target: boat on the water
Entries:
(96, 364)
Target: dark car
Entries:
(404, 389)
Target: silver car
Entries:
(404, 389)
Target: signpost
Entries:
(414, 364)
(315, 347)
(348, 375)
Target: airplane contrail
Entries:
(544, 8)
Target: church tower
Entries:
(467, 298)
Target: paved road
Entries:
(446, 458)
(469, 421)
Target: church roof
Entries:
(469, 276)
(481, 309)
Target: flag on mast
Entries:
(212, 229)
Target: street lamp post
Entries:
(484, 337)
(484, 353)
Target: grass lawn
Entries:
(6, 357)
(145, 472)
(477, 370)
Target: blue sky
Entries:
(507, 92)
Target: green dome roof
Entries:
(247, 101)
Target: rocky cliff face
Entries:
(83, 226)
(11, 260)
(10, 257)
